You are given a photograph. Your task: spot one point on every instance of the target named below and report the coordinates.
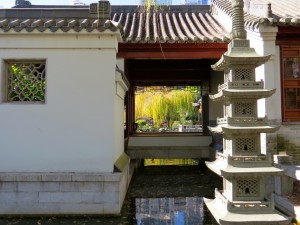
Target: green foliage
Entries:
(175, 124)
(188, 122)
(171, 106)
(25, 82)
(192, 116)
(151, 5)
(141, 122)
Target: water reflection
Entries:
(169, 211)
(171, 162)
(158, 195)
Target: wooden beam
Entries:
(172, 51)
(288, 35)
(168, 71)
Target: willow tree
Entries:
(153, 105)
(180, 104)
(161, 106)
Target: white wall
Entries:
(215, 107)
(120, 63)
(119, 115)
(264, 44)
(118, 125)
(74, 130)
(263, 41)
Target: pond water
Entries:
(169, 211)
(158, 195)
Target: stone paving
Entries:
(148, 182)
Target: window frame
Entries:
(5, 80)
(290, 114)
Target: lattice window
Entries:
(25, 81)
(290, 78)
(249, 187)
(292, 98)
(243, 74)
(244, 109)
(245, 145)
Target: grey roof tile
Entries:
(171, 26)
(287, 8)
(178, 24)
(284, 13)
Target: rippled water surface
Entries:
(158, 195)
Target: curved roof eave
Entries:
(282, 15)
(178, 24)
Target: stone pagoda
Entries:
(242, 165)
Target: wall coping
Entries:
(65, 177)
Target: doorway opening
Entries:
(157, 81)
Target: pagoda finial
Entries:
(238, 30)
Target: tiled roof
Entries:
(284, 13)
(286, 8)
(174, 24)
(52, 19)
(53, 25)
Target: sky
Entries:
(10, 3)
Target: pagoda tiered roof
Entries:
(228, 129)
(234, 60)
(224, 166)
(249, 213)
(251, 171)
(240, 54)
(227, 94)
(282, 13)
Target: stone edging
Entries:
(47, 177)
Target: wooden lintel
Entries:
(288, 30)
(289, 41)
(172, 51)
(288, 35)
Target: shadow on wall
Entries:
(291, 149)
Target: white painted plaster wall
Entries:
(263, 41)
(215, 107)
(74, 131)
(120, 63)
(118, 126)
(119, 115)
